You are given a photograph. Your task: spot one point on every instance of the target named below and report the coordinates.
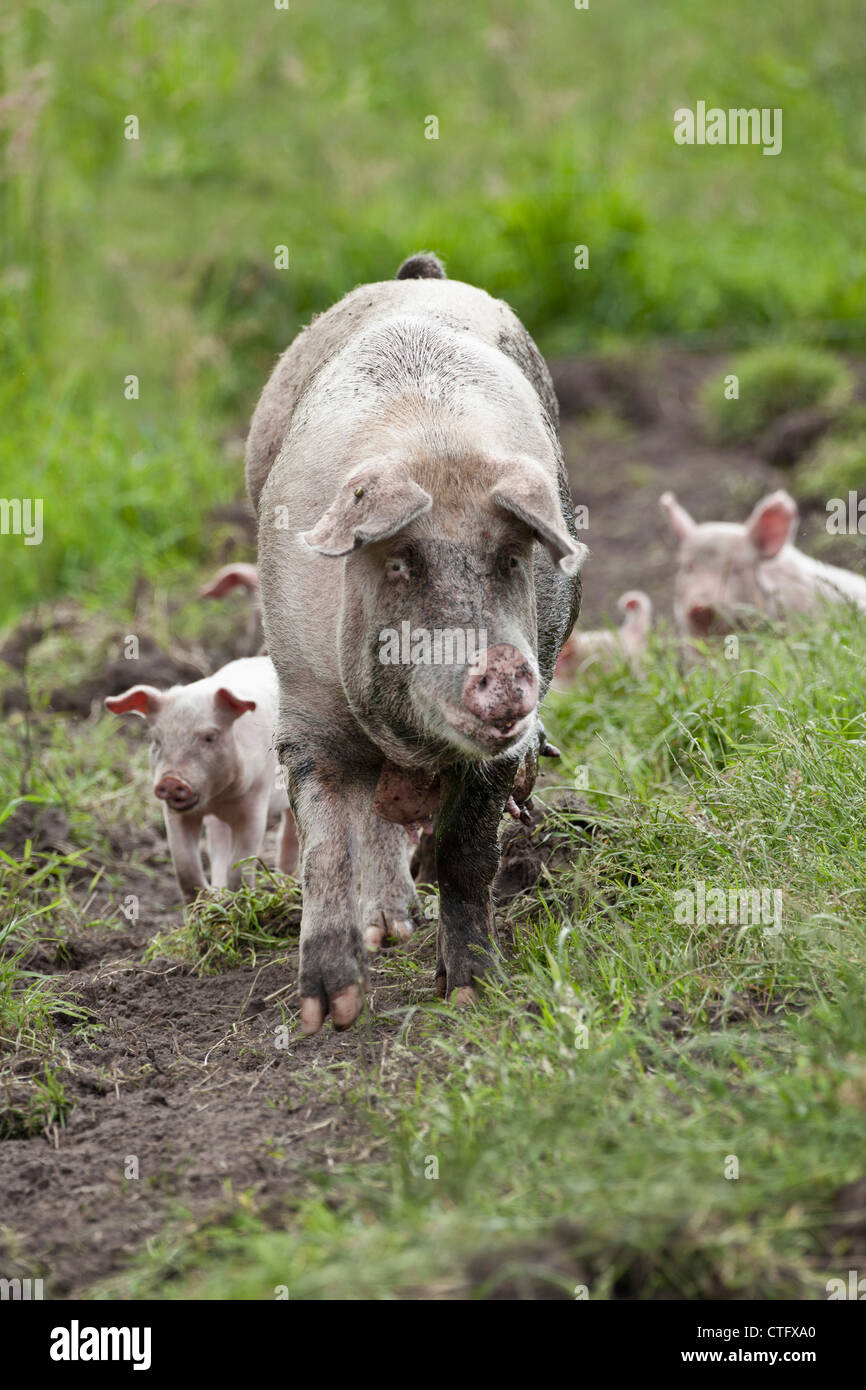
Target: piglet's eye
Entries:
(396, 568)
(209, 738)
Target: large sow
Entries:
(419, 573)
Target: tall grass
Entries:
(305, 128)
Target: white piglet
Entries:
(727, 571)
(213, 763)
(606, 648)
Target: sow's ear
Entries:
(143, 700)
(529, 495)
(375, 503)
(772, 524)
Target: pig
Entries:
(212, 761)
(727, 572)
(405, 468)
(606, 647)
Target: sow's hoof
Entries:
(458, 978)
(387, 928)
(344, 1008)
(462, 997)
(333, 979)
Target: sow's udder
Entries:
(406, 797)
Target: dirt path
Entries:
(184, 1077)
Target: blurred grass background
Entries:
(262, 127)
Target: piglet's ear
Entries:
(230, 577)
(143, 700)
(528, 493)
(633, 601)
(375, 503)
(772, 524)
(233, 705)
(681, 523)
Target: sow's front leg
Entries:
(331, 809)
(467, 857)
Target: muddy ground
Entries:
(184, 1075)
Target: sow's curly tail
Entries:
(422, 266)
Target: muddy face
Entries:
(717, 584)
(438, 640)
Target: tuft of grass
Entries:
(773, 380)
(31, 1110)
(29, 1000)
(837, 464)
(223, 930)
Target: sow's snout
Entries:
(178, 793)
(502, 688)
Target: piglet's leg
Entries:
(467, 857)
(184, 835)
(248, 828)
(218, 837)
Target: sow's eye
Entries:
(396, 568)
(508, 563)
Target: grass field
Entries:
(260, 128)
(642, 1105)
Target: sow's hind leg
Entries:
(467, 857)
(388, 902)
(404, 802)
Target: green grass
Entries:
(44, 1105)
(771, 381)
(260, 128)
(583, 1118)
(836, 467)
(83, 785)
(837, 463)
(223, 930)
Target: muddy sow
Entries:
(405, 468)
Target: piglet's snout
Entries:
(175, 791)
(701, 618)
(503, 688)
